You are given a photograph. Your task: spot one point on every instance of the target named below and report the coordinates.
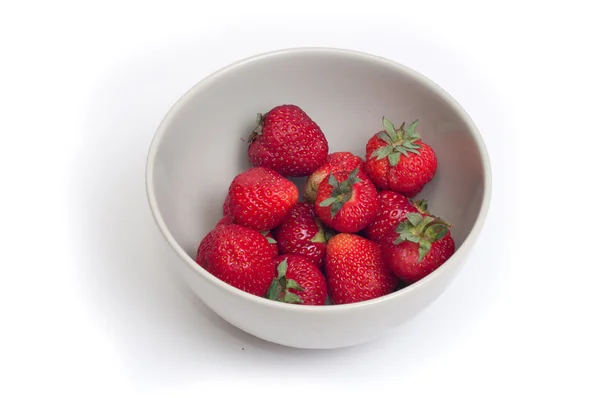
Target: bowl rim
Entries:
(451, 263)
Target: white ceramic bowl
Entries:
(199, 148)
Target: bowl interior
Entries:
(200, 146)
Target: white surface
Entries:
(82, 91)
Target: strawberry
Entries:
(355, 270)
(288, 141)
(260, 198)
(419, 245)
(412, 194)
(228, 220)
(238, 256)
(301, 232)
(399, 160)
(347, 201)
(225, 220)
(393, 208)
(421, 206)
(272, 242)
(298, 281)
(337, 161)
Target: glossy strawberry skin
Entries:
(228, 220)
(288, 141)
(358, 212)
(403, 259)
(308, 276)
(260, 198)
(409, 176)
(393, 208)
(299, 233)
(272, 242)
(355, 270)
(337, 161)
(238, 256)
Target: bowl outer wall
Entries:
(329, 326)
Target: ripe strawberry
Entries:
(288, 141)
(419, 246)
(272, 242)
(412, 194)
(355, 270)
(399, 160)
(393, 208)
(260, 198)
(238, 256)
(301, 232)
(337, 161)
(298, 281)
(228, 220)
(225, 220)
(347, 201)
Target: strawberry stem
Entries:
(260, 119)
(421, 205)
(435, 222)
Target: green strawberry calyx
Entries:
(422, 230)
(323, 234)
(399, 141)
(260, 120)
(342, 192)
(421, 205)
(269, 239)
(280, 287)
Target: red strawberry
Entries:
(412, 194)
(393, 208)
(419, 246)
(260, 198)
(298, 281)
(225, 220)
(272, 242)
(399, 160)
(347, 201)
(301, 232)
(228, 220)
(337, 161)
(288, 141)
(355, 270)
(238, 256)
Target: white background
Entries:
(88, 305)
